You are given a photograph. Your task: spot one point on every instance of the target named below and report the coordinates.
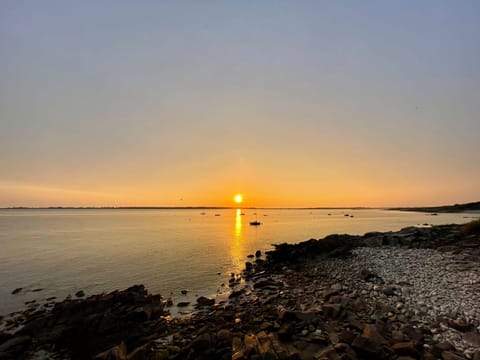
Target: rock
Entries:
(389, 290)
(370, 342)
(327, 353)
(16, 343)
(80, 293)
(140, 353)
(248, 266)
(224, 335)
(332, 290)
(251, 344)
(332, 310)
(202, 342)
(407, 348)
(439, 348)
(258, 253)
(473, 338)
(266, 283)
(16, 291)
(184, 292)
(183, 303)
(204, 301)
(448, 355)
(236, 293)
(285, 332)
(461, 324)
(116, 353)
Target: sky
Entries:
(291, 103)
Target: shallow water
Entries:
(63, 251)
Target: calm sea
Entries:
(63, 251)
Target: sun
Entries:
(238, 198)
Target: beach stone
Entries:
(439, 348)
(389, 290)
(332, 290)
(183, 303)
(16, 291)
(80, 293)
(473, 338)
(370, 342)
(407, 348)
(258, 253)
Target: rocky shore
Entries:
(410, 294)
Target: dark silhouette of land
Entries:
(473, 206)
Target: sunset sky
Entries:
(290, 103)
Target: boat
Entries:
(256, 222)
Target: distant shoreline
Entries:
(466, 207)
(473, 206)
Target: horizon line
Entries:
(177, 207)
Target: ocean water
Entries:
(63, 251)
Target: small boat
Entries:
(256, 222)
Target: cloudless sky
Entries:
(292, 103)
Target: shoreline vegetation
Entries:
(472, 206)
(407, 294)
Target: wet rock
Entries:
(258, 253)
(183, 303)
(16, 291)
(204, 301)
(80, 293)
(248, 266)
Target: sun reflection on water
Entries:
(237, 247)
(238, 224)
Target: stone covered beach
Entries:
(410, 294)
